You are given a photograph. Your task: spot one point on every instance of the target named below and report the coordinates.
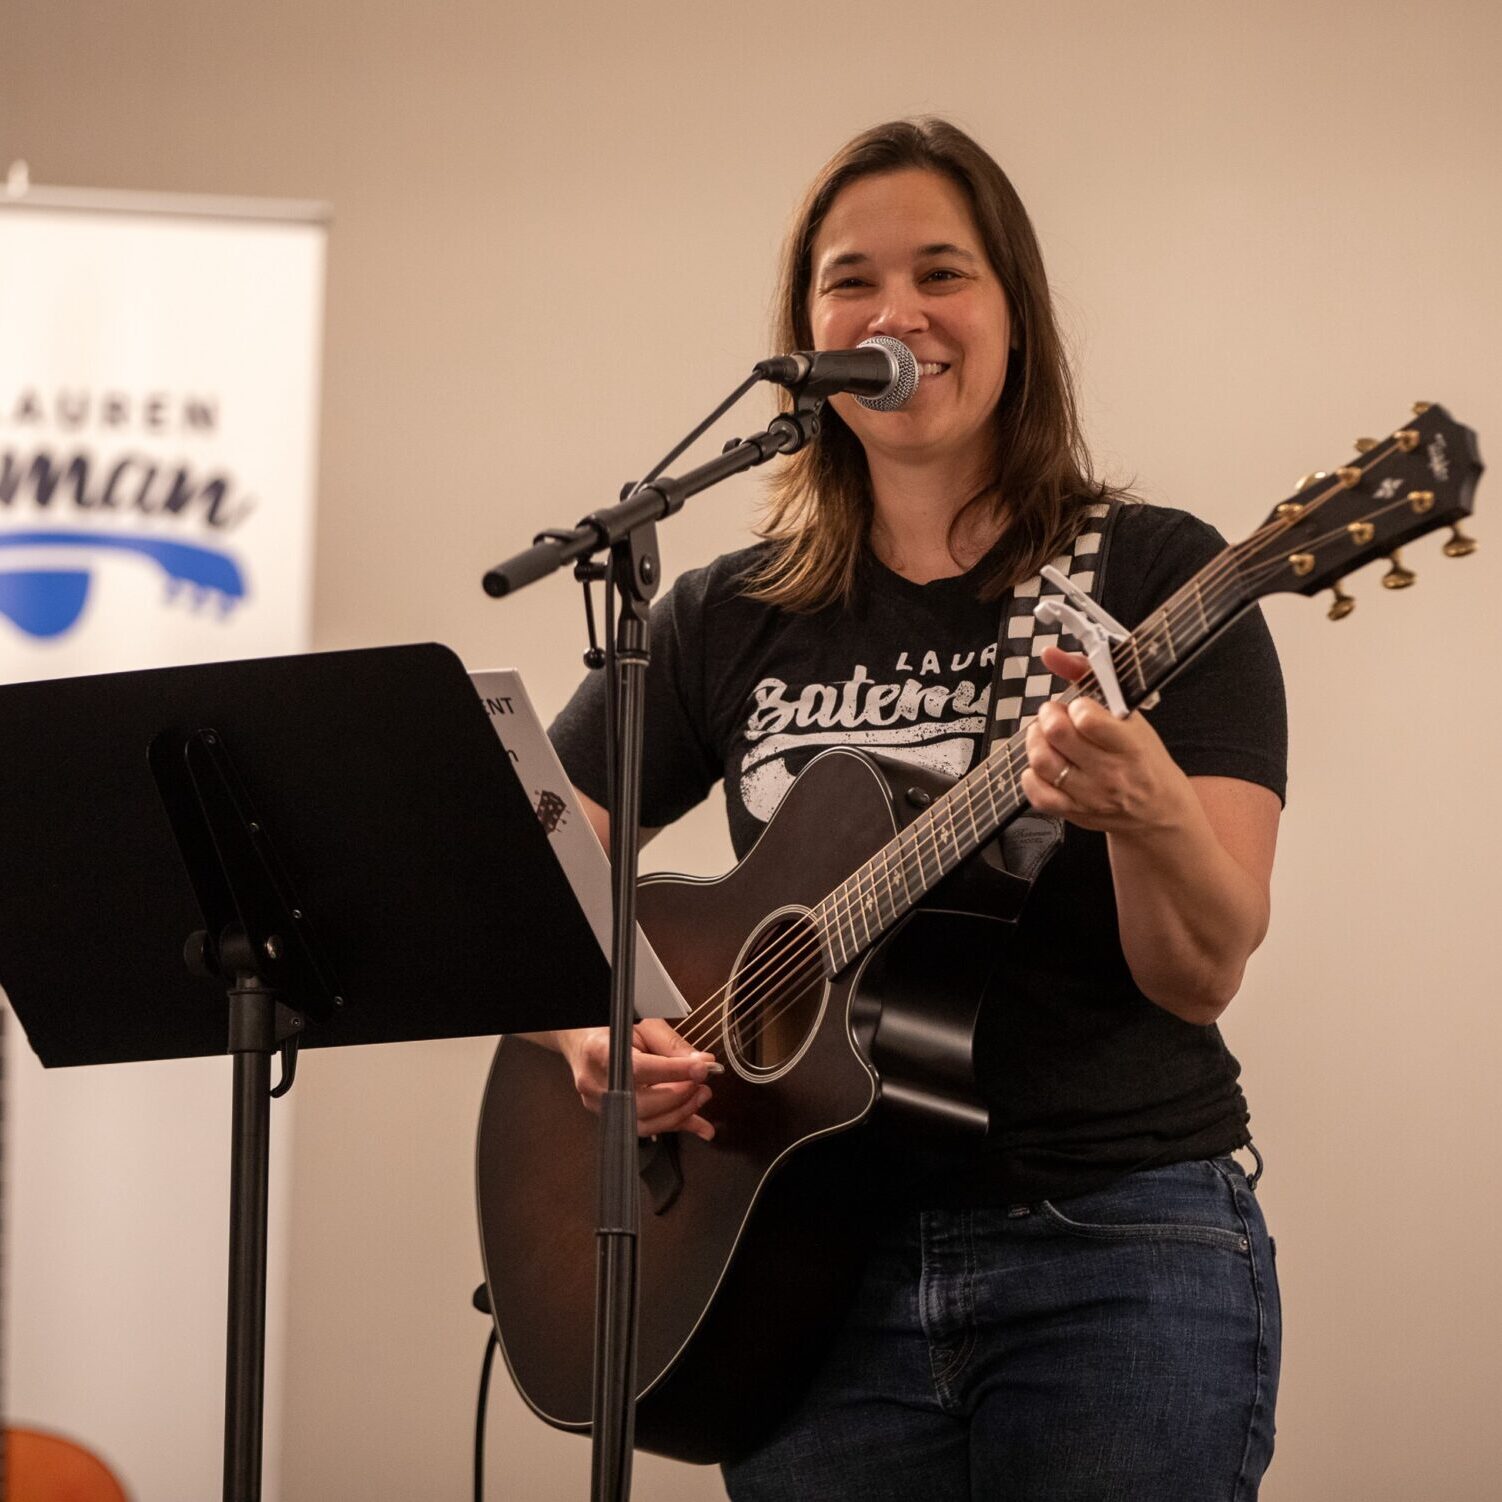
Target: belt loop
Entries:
(1256, 1174)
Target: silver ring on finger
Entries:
(1058, 781)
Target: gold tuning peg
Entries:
(1397, 577)
(1341, 606)
(1459, 545)
(1308, 480)
(1419, 408)
(1365, 445)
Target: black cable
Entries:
(750, 381)
(491, 1347)
(609, 606)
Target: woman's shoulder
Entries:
(1154, 549)
(1145, 529)
(723, 581)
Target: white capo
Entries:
(1091, 626)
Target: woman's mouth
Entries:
(927, 369)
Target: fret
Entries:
(839, 933)
(829, 931)
(948, 831)
(970, 809)
(1199, 600)
(860, 912)
(988, 781)
(1152, 648)
(844, 917)
(1017, 798)
(902, 866)
(876, 887)
(888, 887)
(1168, 635)
(1136, 651)
(920, 826)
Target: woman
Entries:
(1087, 1309)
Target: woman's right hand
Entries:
(670, 1075)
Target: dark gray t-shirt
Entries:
(1086, 1078)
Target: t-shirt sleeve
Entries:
(1224, 715)
(679, 763)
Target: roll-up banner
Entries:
(159, 364)
(158, 403)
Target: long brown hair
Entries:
(818, 509)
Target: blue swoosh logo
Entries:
(47, 602)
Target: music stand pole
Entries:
(253, 1037)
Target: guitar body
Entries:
(749, 1249)
(48, 1468)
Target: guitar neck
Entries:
(953, 827)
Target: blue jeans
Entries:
(1117, 1346)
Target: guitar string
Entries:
(1194, 590)
(804, 981)
(1196, 594)
(911, 840)
(773, 960)
(1004, 756)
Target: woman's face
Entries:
(899, 254)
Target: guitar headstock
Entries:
(1420, 477)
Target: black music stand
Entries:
(335, 845)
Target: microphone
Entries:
(881, 372)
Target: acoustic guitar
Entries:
(36, 1466)
(748, 1251)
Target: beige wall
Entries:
(1270, 228)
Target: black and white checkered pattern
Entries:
(1025, 685)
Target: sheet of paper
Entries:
(584, 863)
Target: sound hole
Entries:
(776, 995)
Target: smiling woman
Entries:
(1084, 1305)
(900, 255)
(947, 252)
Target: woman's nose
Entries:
(898, 314)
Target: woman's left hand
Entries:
(1099, 772)
(1190, 860)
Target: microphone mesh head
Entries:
(904, 382)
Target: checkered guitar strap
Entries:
(1021, 685)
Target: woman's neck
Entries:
(912, 520)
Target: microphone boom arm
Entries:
(601, 530)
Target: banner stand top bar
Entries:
(169, 205)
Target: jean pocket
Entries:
(1216, 1236)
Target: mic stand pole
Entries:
(629, 531)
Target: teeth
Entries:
(931, 368)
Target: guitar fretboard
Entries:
(864, 906)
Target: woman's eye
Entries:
(944, 272)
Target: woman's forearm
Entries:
(1190, 913)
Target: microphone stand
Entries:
(628, 532)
